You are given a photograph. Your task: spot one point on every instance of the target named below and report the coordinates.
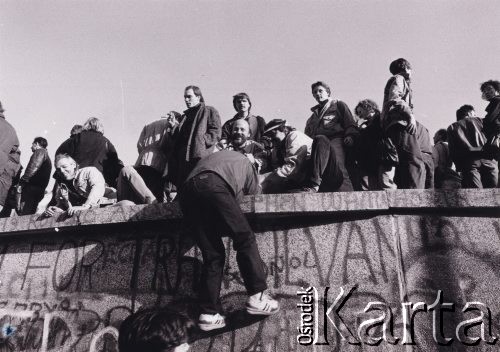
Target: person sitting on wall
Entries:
(155, 145)
(240, 141)
(445, 176)
(242, 105)
(76, 188)
(154, 330)
(366, 154)
(91, 148)
(287, 162)
(333, 119)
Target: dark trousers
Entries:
(30, 197)
(153, 179)
(411, 167)
(429, 170)
(480, 173)
(212, 211)
(325, 166)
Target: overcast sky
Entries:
(128, 62)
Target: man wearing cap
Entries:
(155, 145)
(243, 105)
(209, 201)
(9, 156)
(332, 119)
(288, 160)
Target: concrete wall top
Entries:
(272, 204)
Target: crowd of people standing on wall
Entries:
(212, 165)
(374, 149)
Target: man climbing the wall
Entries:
(209, 200)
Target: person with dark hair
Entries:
(154, 330)
(36, 177)
(445, 177)
(91, 148)
(76, 188)
(491, 122)
(288, 159)
(9, 157)
(209, 201)
(332, 119)
(466, 141)
(243, 105)
(424, 141)
(196, 137)
(399, 125)
(366, 155)
(75, 130)
(155, 145)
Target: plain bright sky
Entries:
(127, 62)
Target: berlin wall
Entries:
(66, 284)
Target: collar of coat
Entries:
(319, 110)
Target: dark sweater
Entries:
(232, 167)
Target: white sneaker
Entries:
(208, 322)
(262, 304)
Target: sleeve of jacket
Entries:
(226, 129)
(252, 185)
(348, 122)
(296, 153)
(97, 187)
(397, 92)
(36, 161)
(140, 141)
(213, 132)
(309, 129)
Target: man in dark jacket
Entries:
(466, 141)
(36, 177)
(242, 105)
(399, 124)
(209, 200)
(491, 122)
(197, 135)
(9, 156)
(332, 119)
(91, 148)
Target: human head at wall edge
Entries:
(93, 124)
(465, 111)
(321, 91)
(75, 130)
(490, 89)
(366, 109)
(440, 136)
(239, 102)
(240, 132)
(154, 330)
(39, 142)
(193, 96)
(277, 130)
(401, 66)
(66, 166)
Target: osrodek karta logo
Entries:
(316, 316)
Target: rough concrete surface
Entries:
(69, 290)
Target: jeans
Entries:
(480, 173)
(30, 197)
(153, 180)
(210, 208)
(411, 168)
(132, 187)
(326, 165)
